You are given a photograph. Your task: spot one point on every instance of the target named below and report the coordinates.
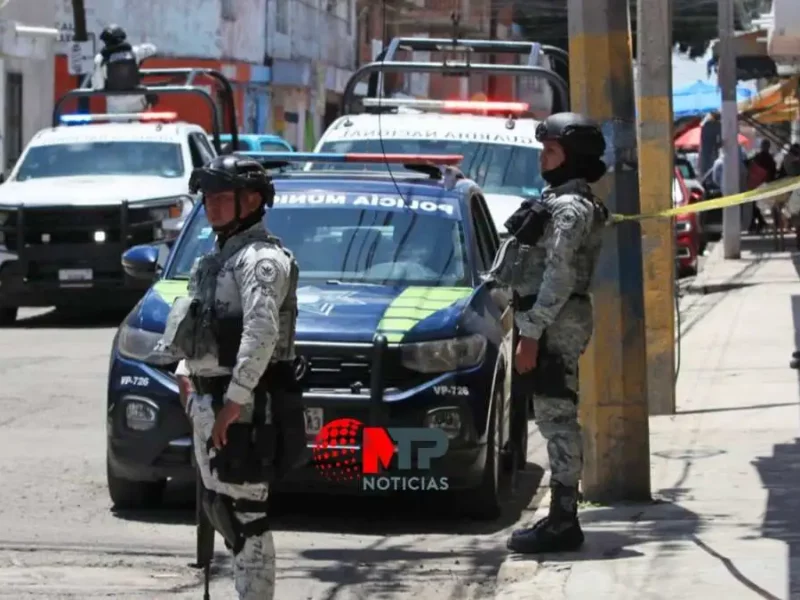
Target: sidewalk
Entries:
(725, 470)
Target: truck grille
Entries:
(78, 226)
(334, 370)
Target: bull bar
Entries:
(169, 87)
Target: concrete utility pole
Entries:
(656, 160)
(613, 381)
(731, 216)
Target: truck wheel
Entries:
(8, 316)
(517, 458)
(133, 495)
(483, 503)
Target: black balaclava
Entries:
(575, 166)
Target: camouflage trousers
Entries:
(254, 566)
(554, 384)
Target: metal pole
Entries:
(613, 379)
(80, 35)
(731, 216)
(656, 159)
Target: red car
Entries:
(688, 236)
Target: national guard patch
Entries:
(266, 271)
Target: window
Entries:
(13, 128)
(202, 153)
(483, 237)
(157, 159)
(497, 168)
(282, 16)
(275, 147)
(347, 243)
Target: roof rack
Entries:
(184, 85)
(435, 166)
(533, 50)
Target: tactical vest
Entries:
(122, 69)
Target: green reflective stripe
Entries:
(170, 289)
(414, 305)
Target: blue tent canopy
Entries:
(701, 97)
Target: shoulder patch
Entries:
(266, 271)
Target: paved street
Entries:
(59, 538)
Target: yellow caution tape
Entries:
(764, 192)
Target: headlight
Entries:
(683, 227)
(139, 344)
(442, 356)
(170, 214)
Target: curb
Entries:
(516, 573)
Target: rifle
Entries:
(205, 537)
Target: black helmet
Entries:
(577, 134)
(233, 173)
(113, 35)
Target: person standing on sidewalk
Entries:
(548, 261)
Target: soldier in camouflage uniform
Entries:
(548, 261)
(251, 278)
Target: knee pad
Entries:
(221, 512)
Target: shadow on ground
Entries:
(71, 319)
(428, 513)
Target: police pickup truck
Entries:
(496, 139)
(396, 327)
(85, 190)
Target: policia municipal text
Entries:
(235, 336)
(549, 261)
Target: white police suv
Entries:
(81, 194)
(500, 151)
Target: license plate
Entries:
(73, 275)
(314, 421)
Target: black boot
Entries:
(559, 531)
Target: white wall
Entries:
(306, 29)
(194, 28)
(38, 76)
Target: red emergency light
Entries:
(481, 106)
(453, 106)
(355, 157)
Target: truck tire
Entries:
(484, 502)
(8, 316)
(133, 495)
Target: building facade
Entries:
(225, 35)
(311, 49)
(26, 74)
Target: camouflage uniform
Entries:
(557, 271)
(257, 280)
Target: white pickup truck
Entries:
(80, 195)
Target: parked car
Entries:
(258, 142)
(688, 233)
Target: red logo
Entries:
(335, 450)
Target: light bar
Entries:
(145, 117)
(331, 157)
(457, 106)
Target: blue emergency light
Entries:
(146, 117)
(354, 157)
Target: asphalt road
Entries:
(60, 539)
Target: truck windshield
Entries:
(159, 159)
(497, 168)
(352, 244)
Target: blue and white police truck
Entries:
(396, 326)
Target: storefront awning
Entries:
(775, 104)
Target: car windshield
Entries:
(351, 244)
(274, 147)
(497, 168)
(158, 159)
